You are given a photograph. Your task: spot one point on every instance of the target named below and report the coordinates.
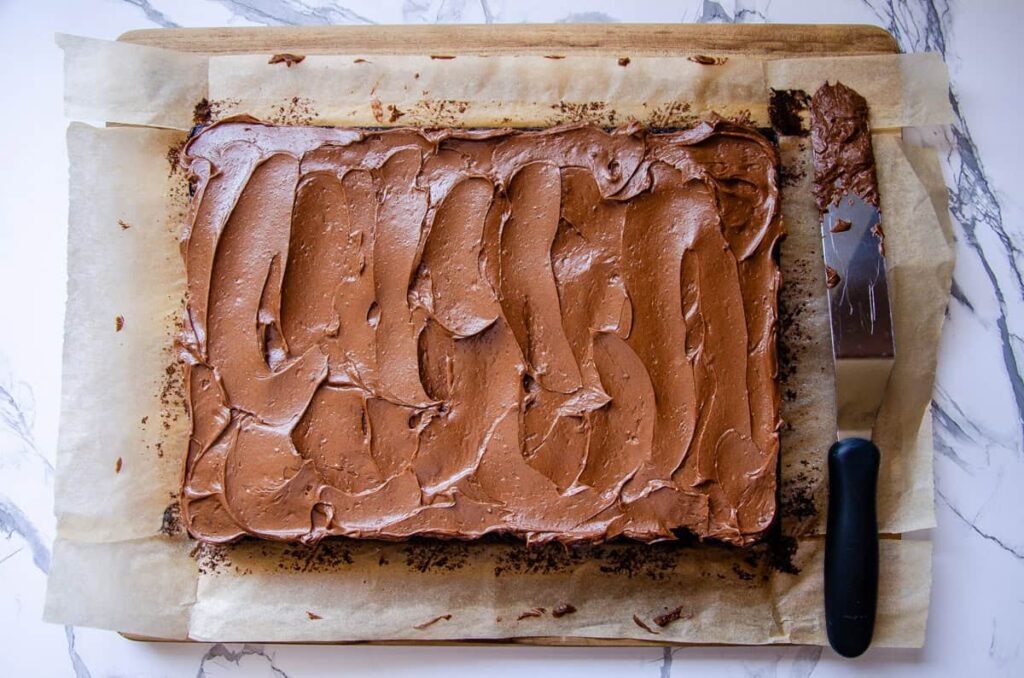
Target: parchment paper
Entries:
(121, 561)
(479, 91)
(145, 85)
(905, 90)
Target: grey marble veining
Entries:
(923, 25)
(219, 652)
(153, 14)
(294, 12)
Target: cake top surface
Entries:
(560, 334)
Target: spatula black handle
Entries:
(851, 546)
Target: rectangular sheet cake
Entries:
(567, 334)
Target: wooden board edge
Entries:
(525, 641)
(767, 40)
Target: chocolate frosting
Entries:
(564, 334)
(844, 161)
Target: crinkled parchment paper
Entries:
(121, 560)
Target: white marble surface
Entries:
(977, 616)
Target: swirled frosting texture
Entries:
(564, 334)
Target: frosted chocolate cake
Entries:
(565, 334)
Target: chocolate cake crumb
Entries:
(288, 60)
(553, 56)
(326, 556)
(313, 615)
(202, 114)
(118, 464)
(211, 558)
(539, 559)
(798, 498)
(535, 612)
(394, 113)
(655, 561)
(378, 109)
(119, 323)
(444, 57)
(562, 610)
(623, 61)
(672, 114)
(171, 525)
(438, 556)
(596, 112)
(360, 61)
(741, 573)
(640, 622)
(174, 157)
(704, 60)
(431, 622)
(841, 225)
(831, 277)
(667, 618)
(123, 224)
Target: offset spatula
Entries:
(862, 343)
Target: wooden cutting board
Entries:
(758, 40)
(767, 41)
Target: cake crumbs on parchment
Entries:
(394, 113)
(171, 525)
(313, 616)
(533, 612)
(378, 109)
(562, 610)
(443, 57)
(287, 59)
(595, 112)
(118, 464)
(672, 615)
(540, 559)
(671, 114)
(623, 61)
(325, 556)
(361, 61)
(554, 56)
(119, 323)
(741, 573)
(174, 157)
(123, 224)
(202, 114)
(705, 60)
(212, 558)
(431, 622)
(442, 556)
(654, 561)
(640, 622)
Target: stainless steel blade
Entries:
(862, 336)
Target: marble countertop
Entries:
(976, 624)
